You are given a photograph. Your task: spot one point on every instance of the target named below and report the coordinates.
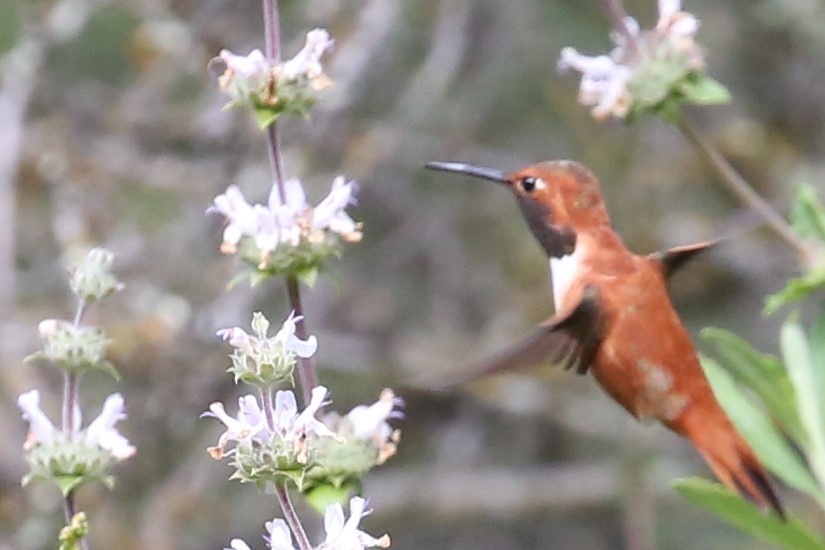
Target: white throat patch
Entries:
(564, 271)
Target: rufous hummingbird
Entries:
(614, 319)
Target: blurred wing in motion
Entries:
(570, 340)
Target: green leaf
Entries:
(308, 276)
(67, 484)
(36, 356)
(323, 495)
(791, 534)
(807, 383)
(109, 368)
(704, 90)
(818, 356)
(256, 277)
(808, 214)
(768, 444)
(760, 372)
(795, 290)
(237, 279)
(266, 116)
(669, 110)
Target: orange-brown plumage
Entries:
(614, 319)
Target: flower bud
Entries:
(72, 535)
(92, 279)
(73, 348)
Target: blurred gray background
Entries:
(112, 134)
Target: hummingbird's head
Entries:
(559, 198)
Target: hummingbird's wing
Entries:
(674, 258)
(570, 340)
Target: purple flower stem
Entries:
(292, 518)
(266, 403)
(307, 375)
(70, 385)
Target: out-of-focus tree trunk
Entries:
(19, 67)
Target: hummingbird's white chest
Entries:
(565, 271)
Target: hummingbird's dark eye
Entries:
(528, 184)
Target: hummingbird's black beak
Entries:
(459, 167)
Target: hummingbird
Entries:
(615, 320)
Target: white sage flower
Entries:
(343, 533)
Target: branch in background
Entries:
(742, 189)
(20, 68)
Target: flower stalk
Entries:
(273, 444)
(743, 190)
(266, 403)
(272, 28)
(291, 517)
(71, 454)
(70, 387)
(306, 366)
(307, 375)
(70, 383)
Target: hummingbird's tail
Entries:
(733, 461)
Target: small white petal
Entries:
(668, 8)
(295, 196)
(592, 66)
(342, 224)
(237, 544)
(113, 410)
(39, 424)
(614, 98)
(268, 234)
(232, 234)
(329, 214)
(217, 410)
(241, 215)
(236, 336)
(102, 433)
(286, 335)
(345, 535)
(247, 66)
(333, 521)
(303, 348)
(49, 327)
(308, 61)
(286, 409)
(249, 412)
(114, 442)
(370, 421)
(632, 25)
(684, 25)
(280, 537)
